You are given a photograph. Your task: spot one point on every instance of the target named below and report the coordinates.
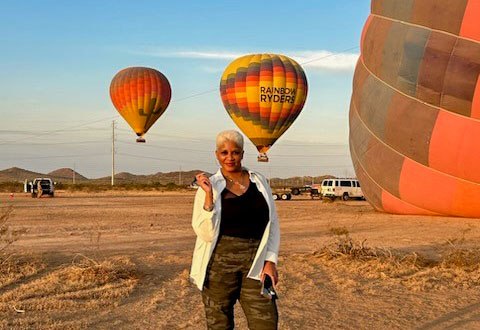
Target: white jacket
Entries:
(207, 226)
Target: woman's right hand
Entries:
(206, 185)
(204, 182)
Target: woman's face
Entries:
(230, 156)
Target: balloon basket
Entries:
(262, 158)
(140, 140)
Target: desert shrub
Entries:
(82, 285)
(339, 231)
(11, 187)
(119, 186)
(457, 267)
(172, 186)
(7, 234)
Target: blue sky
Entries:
(58, 59)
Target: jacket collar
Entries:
(218, 180)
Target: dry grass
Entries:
(83, 285)
(14, 268)
(7, 235)
(459, 267)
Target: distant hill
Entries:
(64, 175)
(67, 174)
(18, 174)
(162, 178)
(297, 181)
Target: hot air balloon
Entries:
(141, 96)
(415, 108)
(263, 94)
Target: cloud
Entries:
(322, 60)
(326, 60)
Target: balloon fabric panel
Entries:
(414, 128)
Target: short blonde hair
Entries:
(230, 135)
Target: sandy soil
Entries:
(112, 260)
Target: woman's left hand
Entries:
(270, 269)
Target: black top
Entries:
(244, 216)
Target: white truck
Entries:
(40, 187)
(344, 188)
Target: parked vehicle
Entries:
(314, 193)
(300, 190)
(284, 196)
(344, 188)
(40, 187)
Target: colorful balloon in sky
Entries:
(263, 94)
(415, 109)
(141, 96)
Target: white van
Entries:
(344, 188)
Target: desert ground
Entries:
(121, 261)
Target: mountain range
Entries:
(66, 175)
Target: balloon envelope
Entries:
(263, 94)
(140, 95)
(415, 108)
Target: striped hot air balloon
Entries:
(263, 94)
(141, 96)
(415, 109)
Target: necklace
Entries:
(236, 182)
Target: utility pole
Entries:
(113, 152)
(73, 174)
(180, 176)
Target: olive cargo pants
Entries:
(227, 282)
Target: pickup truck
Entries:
(40, 187)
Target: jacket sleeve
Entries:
(202, 221)
(273, 242)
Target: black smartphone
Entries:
(268, 290)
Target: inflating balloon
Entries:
(263, 94)
(415, 109)
(141, 96)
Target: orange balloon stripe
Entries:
(392, 204)
(455, 147)
(445, 194)
(470, 26)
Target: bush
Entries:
(7, 235)
(14, 187)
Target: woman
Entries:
(238, 237)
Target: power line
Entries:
(163, 159)
(329, 55)
(58, 156)
(32, 132)
(280, 143)
(59, 143)
(59, 130)
(248, 154)
(195, 95)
